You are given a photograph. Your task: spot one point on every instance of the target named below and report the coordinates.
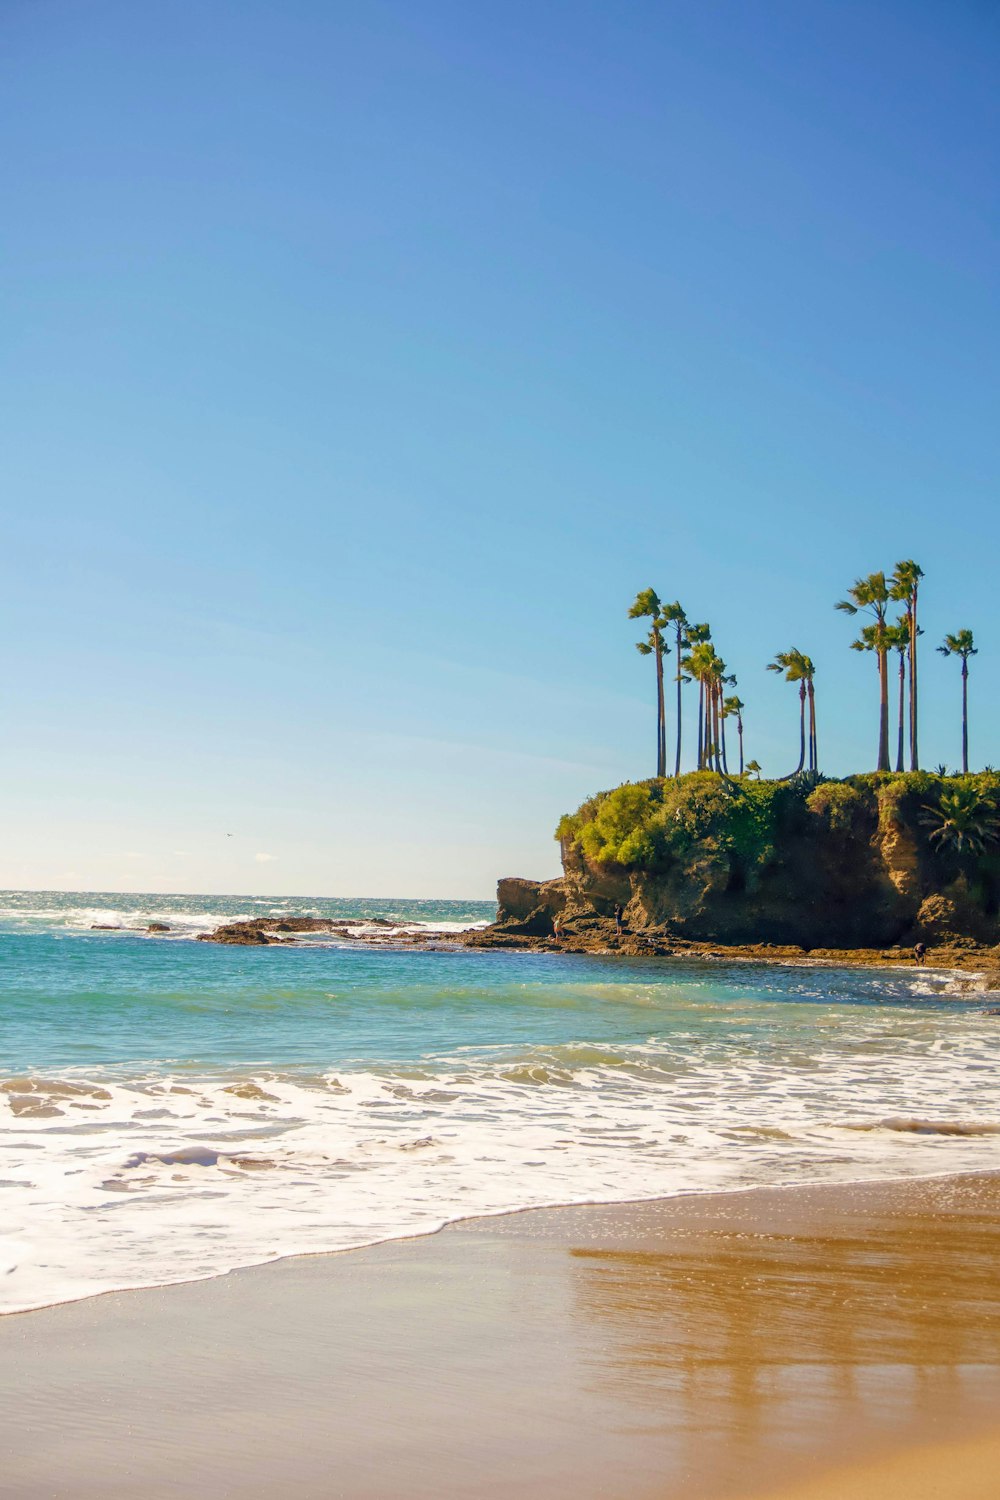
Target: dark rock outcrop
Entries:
(528, 908)
(262, 931)
(240, 934)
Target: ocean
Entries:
(171, 1109)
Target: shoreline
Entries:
(976, 960)
(707, 1346)
(942, 957)
(683, 1197)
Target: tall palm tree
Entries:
(899, 641)
(716, 685)
(697, 640)
(647, 606)
(961, 644)
(872, 595)
(810, 672)
(905, 584)
(733, 707)
(698, 665)
(673, 614)
(799, 668)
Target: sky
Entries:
(362, 360)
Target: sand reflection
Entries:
(768, 1337)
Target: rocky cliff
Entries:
(862, 863)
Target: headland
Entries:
(855, 871)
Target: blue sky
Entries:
(362, 360)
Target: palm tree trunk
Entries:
(717, 722)
(739, 731)
(701, 724)
(965, 715)
(813, 752)
(677, 762)
(902, 703)
(914, 756)
(722, 740)
(661, 723)
(802, 727)
(883, 710)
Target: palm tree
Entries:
(904, 586)
(872, 594)
(963, 820)
(673, 614)
(698, 665)
(961, 644)
(648, 606)
(899, 641)
(799, 668)
(697, 639)
(734, 706)
(716, 683)
(810, 672)
(754, 768)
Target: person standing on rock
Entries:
(619, 913)
(557, 928)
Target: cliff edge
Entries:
(867, 862)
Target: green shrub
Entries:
(618, 830)
(841, 806)
(650, 824)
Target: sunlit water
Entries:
(170, 1109)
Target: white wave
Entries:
(114, 1181)
(184, 923)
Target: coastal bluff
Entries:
(869, 862)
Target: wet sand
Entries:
(807, 1343)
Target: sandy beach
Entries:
(800, 1342)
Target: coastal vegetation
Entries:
(799, 668)
(722, 853)
(651, 823)
(961, 645)
(697, 660)
(870, 859)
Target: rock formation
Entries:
(868, 863)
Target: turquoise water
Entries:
(170, 1109)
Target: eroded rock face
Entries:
(842, 872)
(901, 855)
(529, 907)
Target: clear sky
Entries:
(362, 360)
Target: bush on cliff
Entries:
(843, 808)
(652, 824)
(616, 827)
(647, 825)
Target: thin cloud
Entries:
(262, 859)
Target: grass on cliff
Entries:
(650, 825)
